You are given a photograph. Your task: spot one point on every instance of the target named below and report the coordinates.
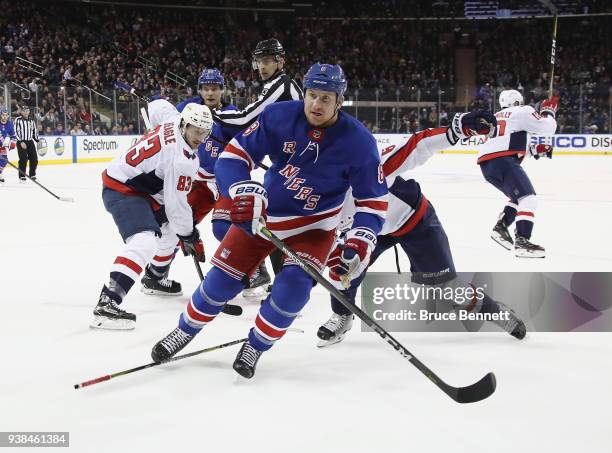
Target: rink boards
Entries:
(68, 149)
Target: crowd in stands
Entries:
(82, 49)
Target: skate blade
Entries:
(525, 254)
(155, 292)
(325, 343)
(505, 244)
(100, 322)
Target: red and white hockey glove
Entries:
(466, 125)
(538, 150)
(351, 258)
(549, 107)
(249, 203)
(193, 245)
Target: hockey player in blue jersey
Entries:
(8, 139)
(317, 152)
(204, 193)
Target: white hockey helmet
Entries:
(197, 115)
(510, 98)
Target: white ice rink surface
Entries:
(554, 391)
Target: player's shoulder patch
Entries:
(252, 128)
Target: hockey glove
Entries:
(538, 150)
(549, 107)
(349, 260)
(466, 125)
(192, 245)
(249, 203)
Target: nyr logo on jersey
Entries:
(252, 128)
(293, 183)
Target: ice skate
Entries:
(108, 316)
(246, 360)
(159, 286)
(501, 235)
(513, 325)
(258, 283)
(334, 329)
(523, 248)
(172, 343)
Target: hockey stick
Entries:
(68, 199)
(552, 58)
(108, 377)
(469, 394)
(229, 309)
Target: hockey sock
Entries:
(525, 216)
(208, 300)
(290, 292)
(128, 265)
(509, 213)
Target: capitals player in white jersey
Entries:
(500, 162)
(317, 152)
(145, 190)
(412, 223)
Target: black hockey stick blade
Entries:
(478, 391)
(470, 394)
(233, 310)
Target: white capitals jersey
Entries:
(161, 167)
(515, 125)
(396, 161)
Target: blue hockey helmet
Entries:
(326, 77)
(3, 110)
(211, 77)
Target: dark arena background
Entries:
(80, 85)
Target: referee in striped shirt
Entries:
(26, 132)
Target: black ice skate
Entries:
(513, 325)
(501, 235)
(156, 286)
(525, 249)
(1, 178)
(170, 345)
(246, 360)
(258, 283)
(334, 329)
(108, 315)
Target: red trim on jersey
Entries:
(487, 157)
(377, 205)
(162, 258)
(231, 149)
(413, 220)
(268, 330)
(527, 213)
(197, 316)
(118, 186)
(128, 263)
(400, 156)
(292, 224)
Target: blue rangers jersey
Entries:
(7, 133)
(312, 169)
(209, 151)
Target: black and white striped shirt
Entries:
(25, 129)
(280, 88)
